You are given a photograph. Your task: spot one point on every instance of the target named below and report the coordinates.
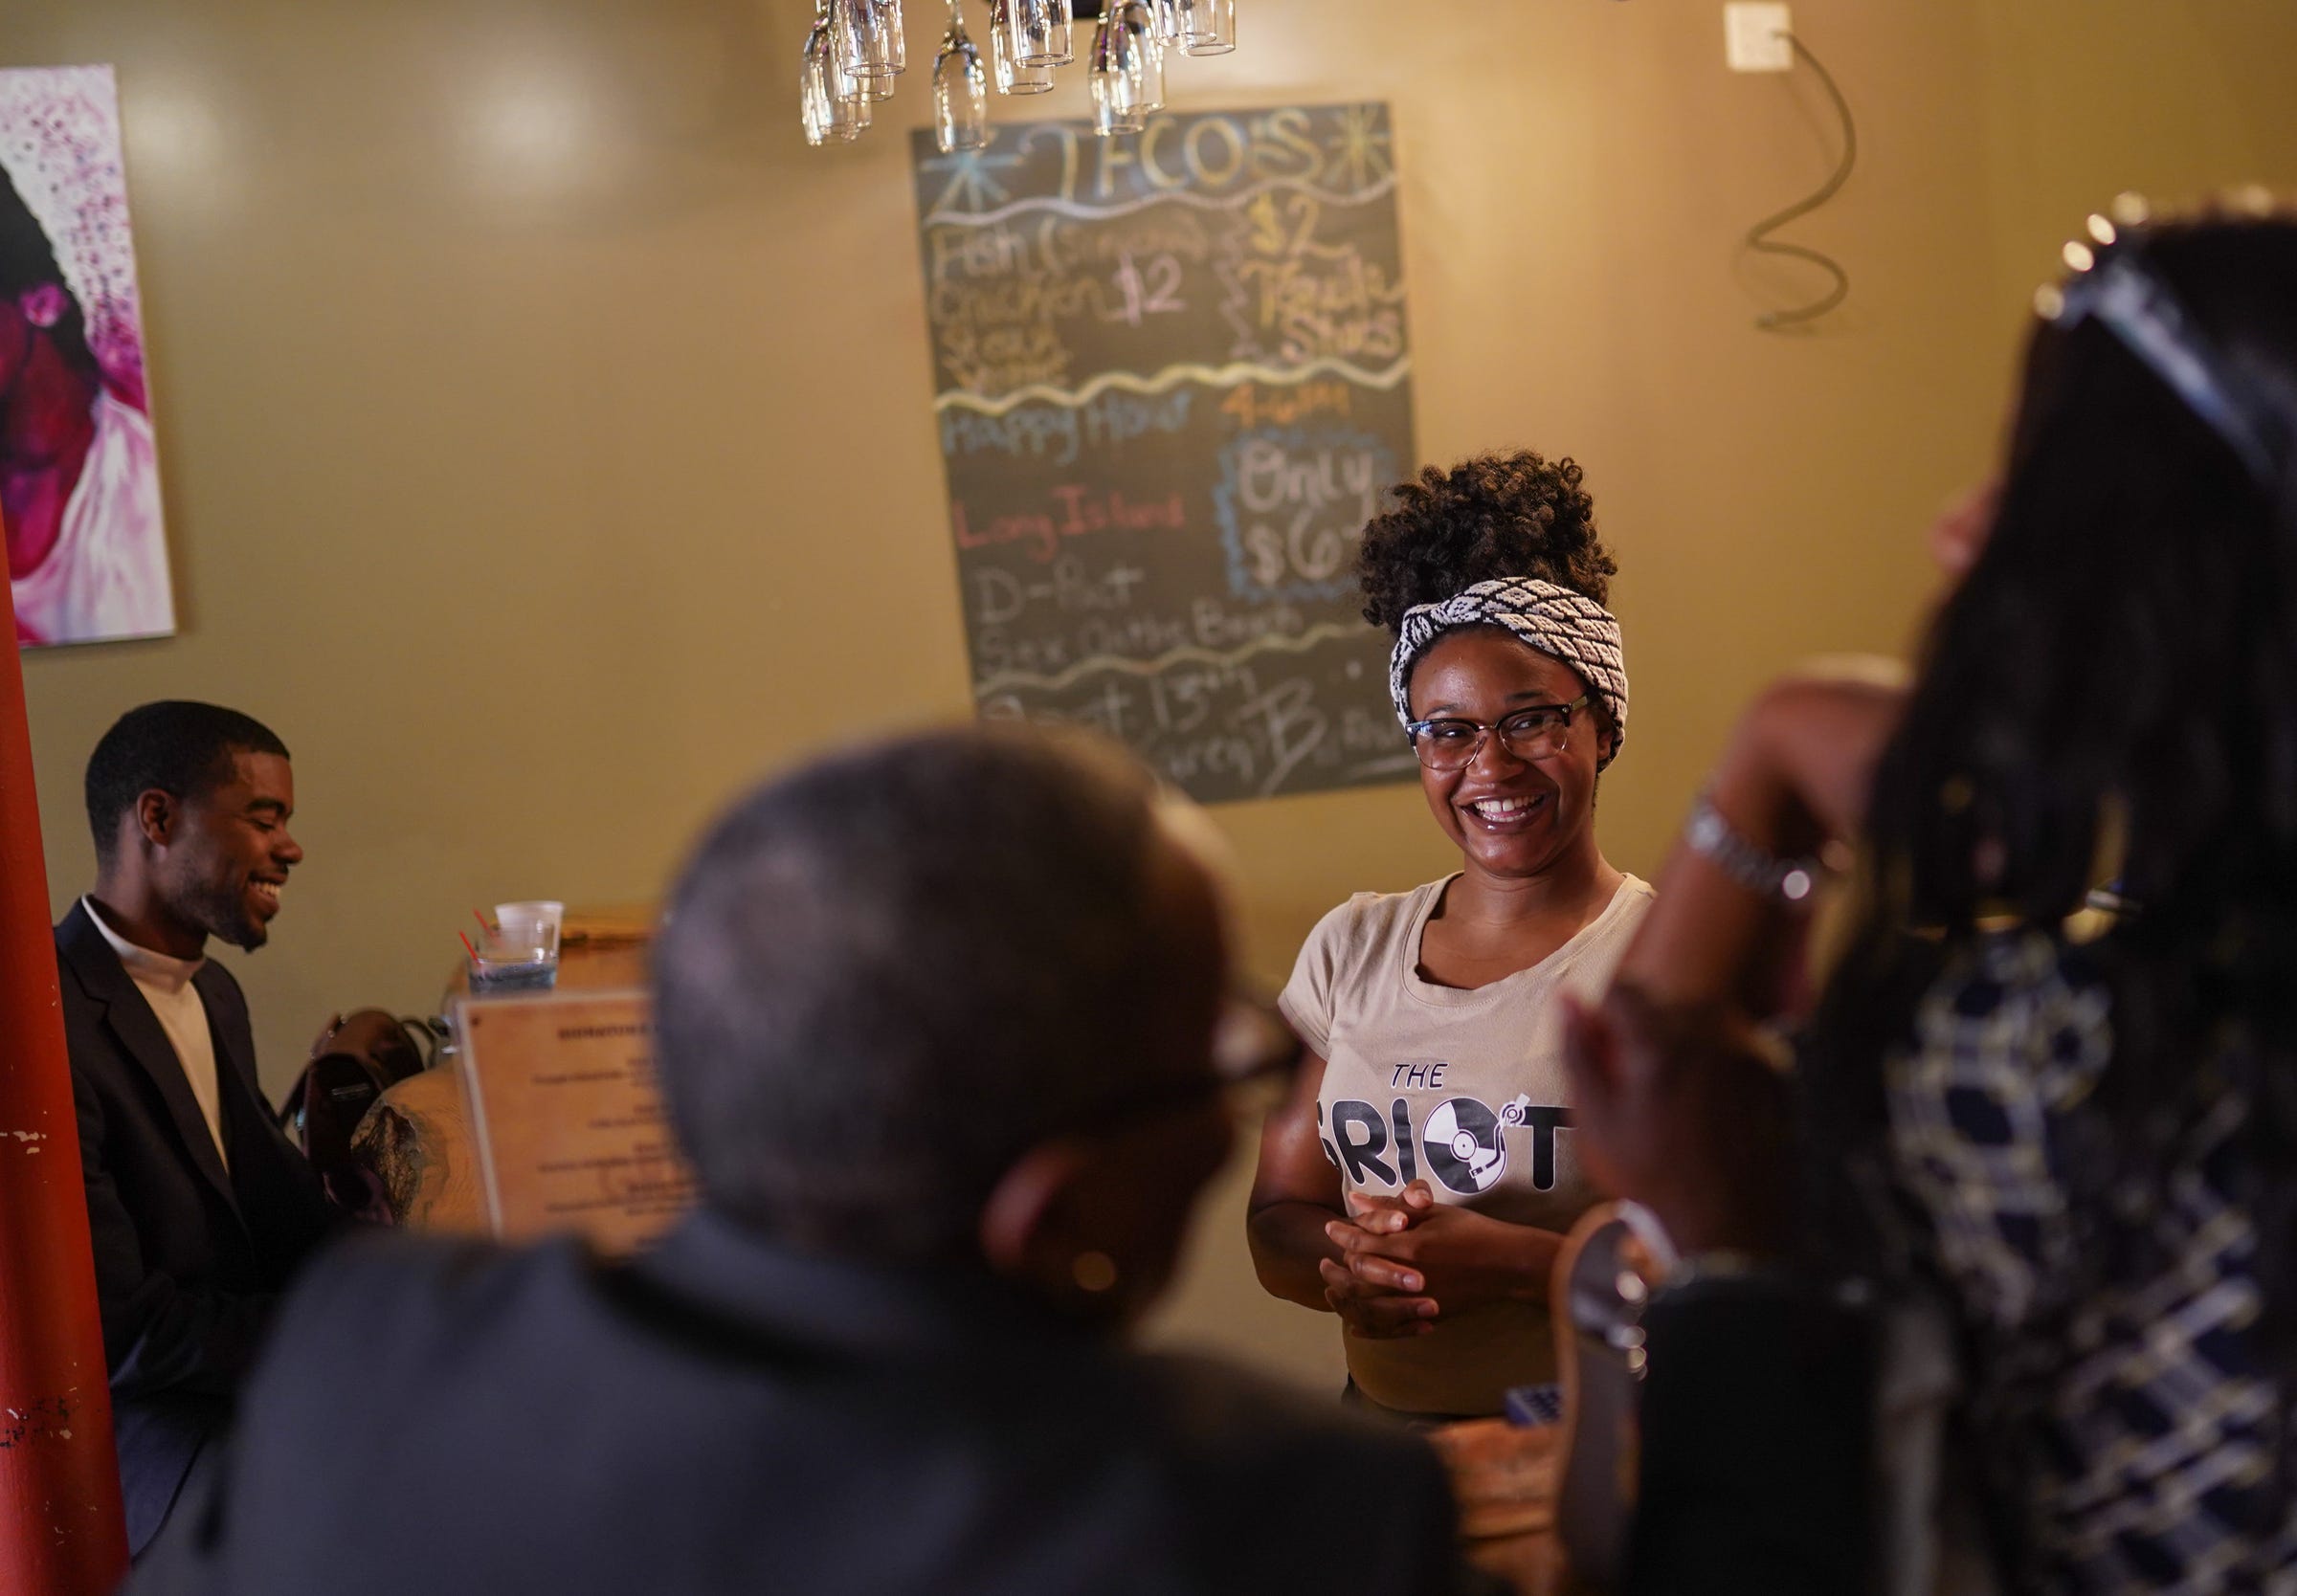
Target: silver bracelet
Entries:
(1764, 874)
(1670, 1267)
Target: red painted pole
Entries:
(62, 1532)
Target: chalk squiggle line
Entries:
(1171, 376)
(1322, 632)
(1095, 212)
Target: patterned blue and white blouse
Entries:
(2113, 1327)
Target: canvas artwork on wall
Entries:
(80, 482)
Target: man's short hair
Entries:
(884, 977)
(174, 746)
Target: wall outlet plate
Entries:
(1754, 39)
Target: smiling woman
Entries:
(1419, 1183)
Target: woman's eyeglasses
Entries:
(1539, 732)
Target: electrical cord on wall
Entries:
(1758, 236)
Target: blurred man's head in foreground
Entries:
(952, 998)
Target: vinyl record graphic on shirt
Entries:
(1462, 1147)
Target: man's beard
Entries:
(224, 915)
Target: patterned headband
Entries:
(1556, 621)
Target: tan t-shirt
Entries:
(1462, 1089)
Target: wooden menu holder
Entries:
(567, 1118)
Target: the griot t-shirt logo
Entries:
(1462, 1143)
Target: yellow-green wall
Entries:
(2085, 99)
(548, 436)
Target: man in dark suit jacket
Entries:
(943, 1027)
(199, 1208)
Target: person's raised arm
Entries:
(1794, 778)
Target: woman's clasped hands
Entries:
(1407, 1260)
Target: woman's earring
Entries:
(1094, 1271)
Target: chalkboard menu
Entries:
(1172, 382)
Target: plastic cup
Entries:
(519, 954)
(524, 916)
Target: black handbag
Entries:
(357, 1057)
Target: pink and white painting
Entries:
(79, 479)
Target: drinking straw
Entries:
(467, 947)
(484, 924)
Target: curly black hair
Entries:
(1488, 517)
